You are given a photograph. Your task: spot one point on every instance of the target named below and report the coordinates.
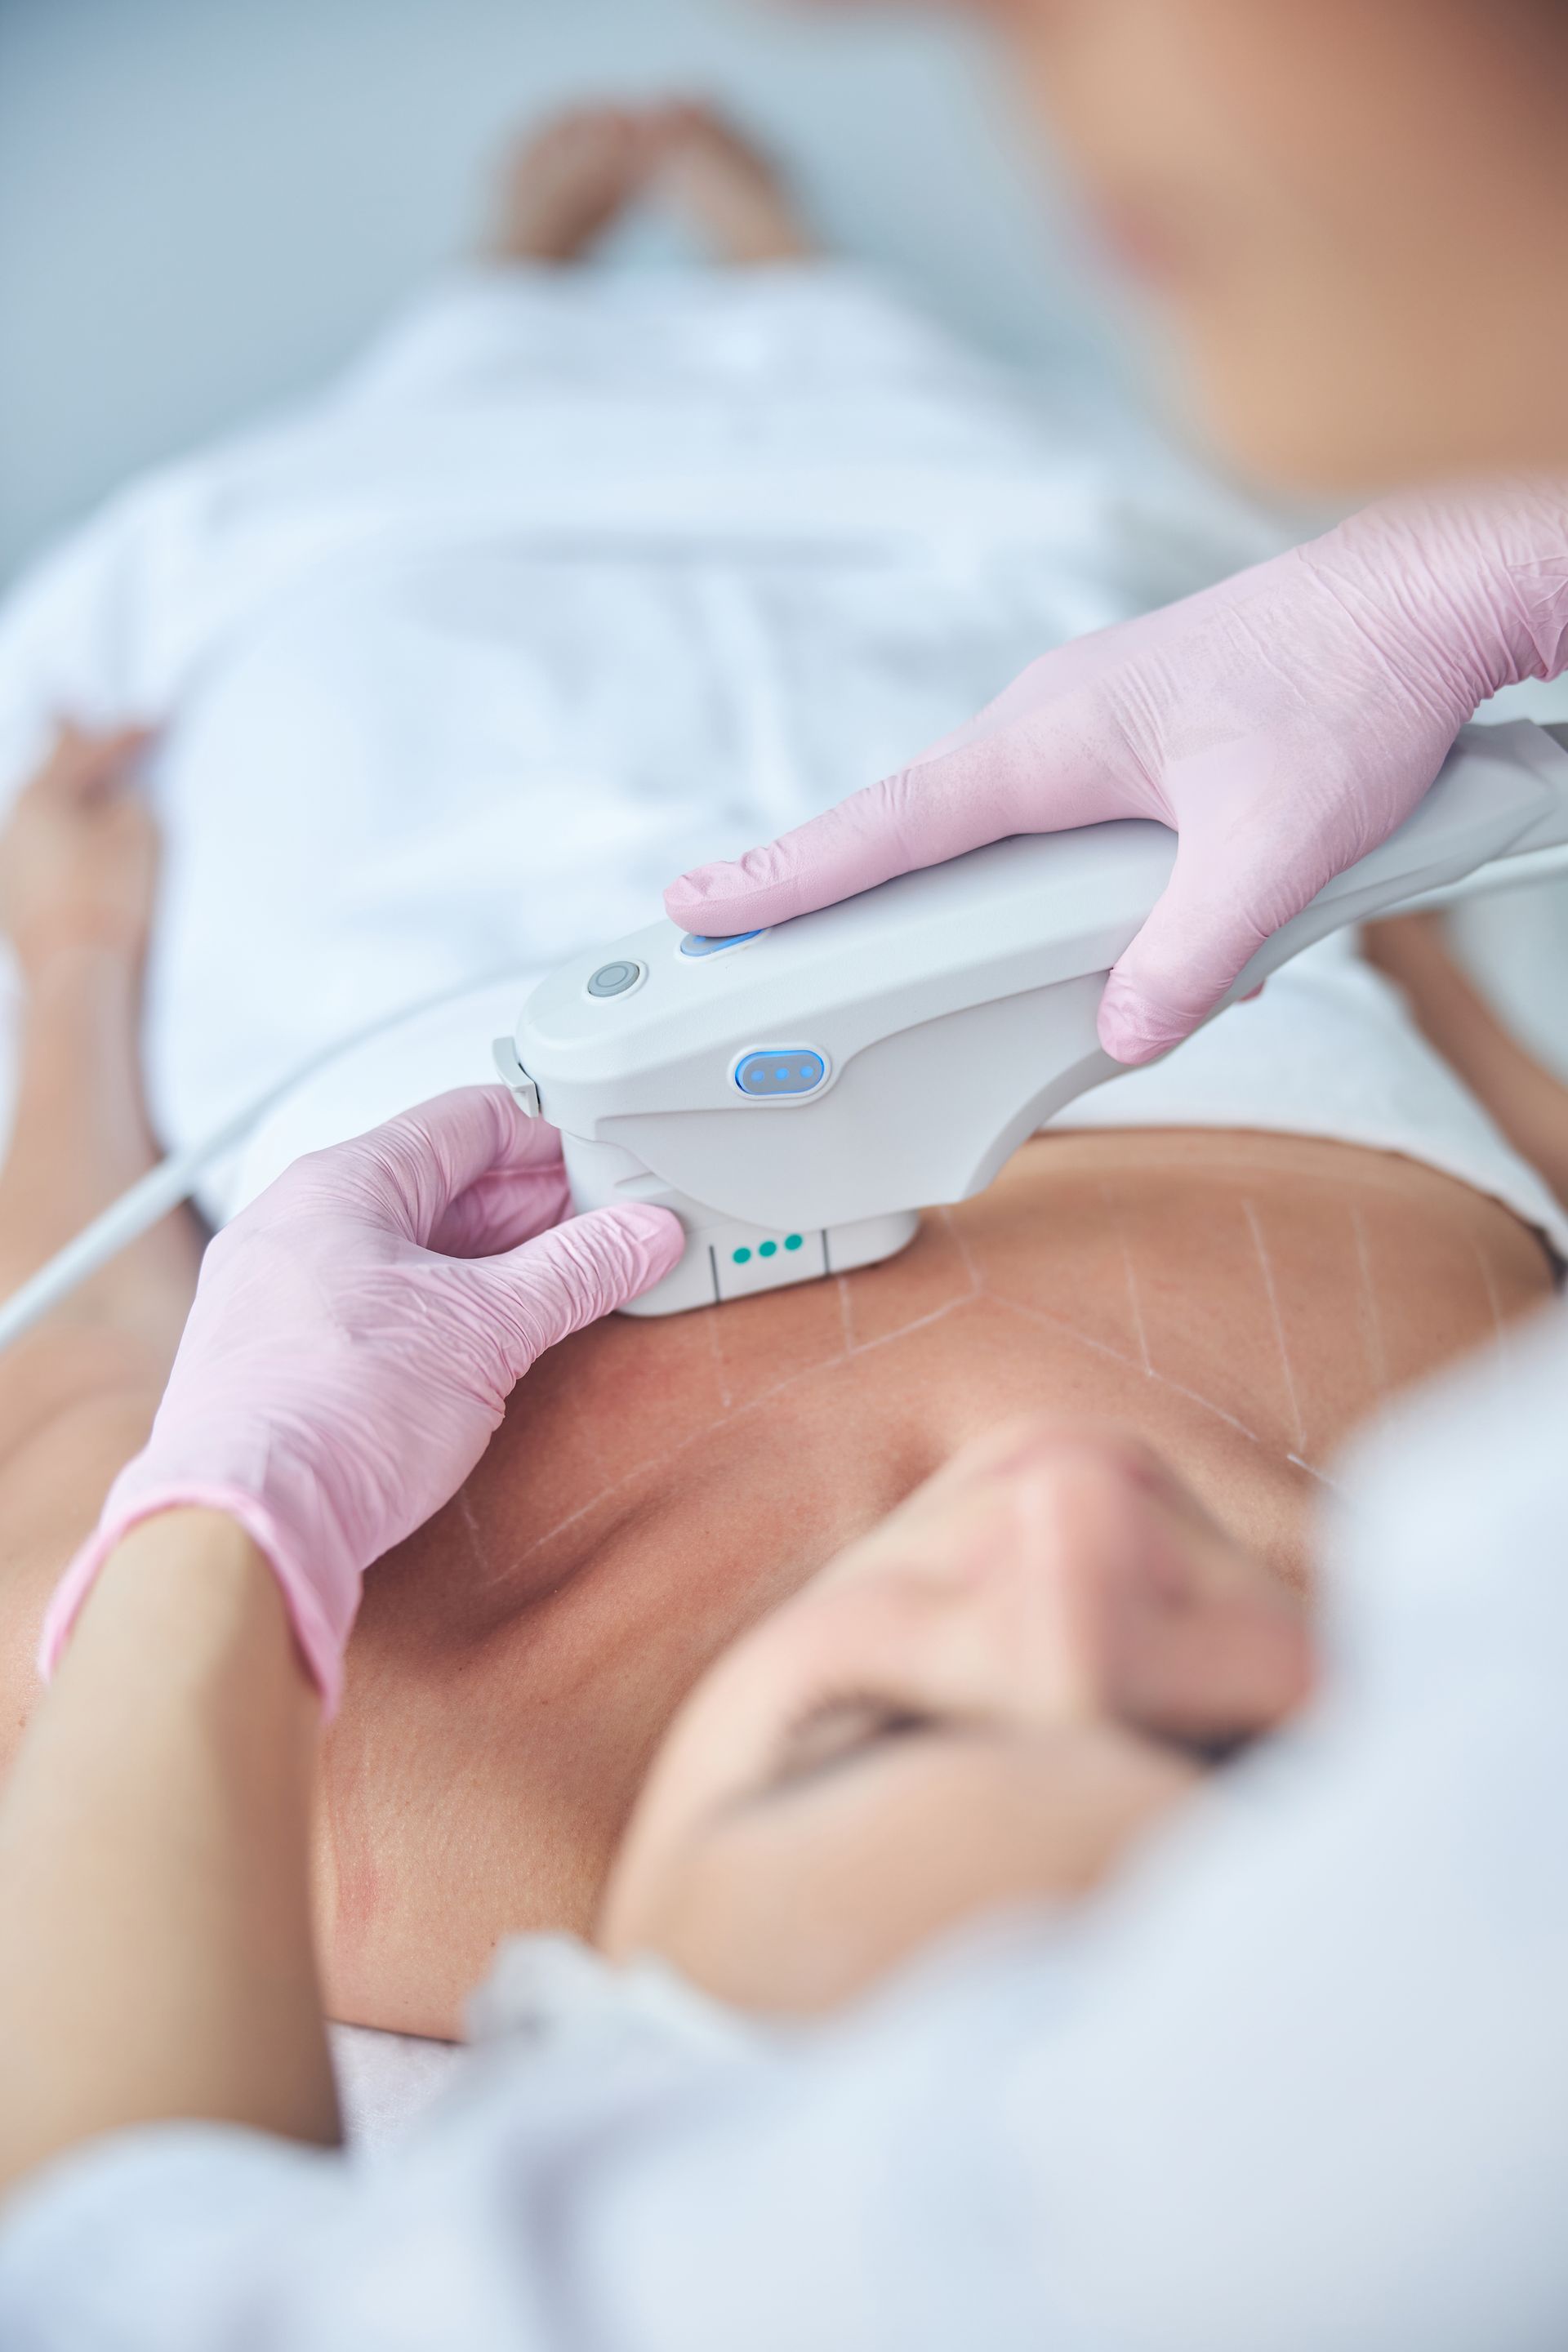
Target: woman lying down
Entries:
(722, 1651)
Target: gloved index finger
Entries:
(891, 828)
(1013, 780)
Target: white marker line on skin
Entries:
(471, 1525)
(1103, 1348)
(1313, 1471)
(584, 1510)
(853, 1349)
(846, 1313)
(1267, 1273)
(673, 1453)
(1372, 1321)
(937, 1315)
(965, 1255)
(1133, 1302)
(739, 1413)
(717, 1346)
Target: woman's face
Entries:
(985, 1701)
(1352, 213)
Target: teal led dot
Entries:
(768, 1249)
(792, 1241)
(742, 1256)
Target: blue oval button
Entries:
(786, 1070)
(698, 943)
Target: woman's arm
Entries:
(157, 1959)
(77, 876)
(77, 865)
(1528, 1102)
(345, 1362)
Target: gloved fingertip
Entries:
(721, 899)
(1132, 1031)
(1132, 1053)
(656, 1232)
(686, 901)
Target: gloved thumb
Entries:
(575, 1273)
(1184, 959)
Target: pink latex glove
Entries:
(354, 1338)
(1283, 722)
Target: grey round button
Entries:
(614, 979)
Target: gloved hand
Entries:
(355, 1337)
(1283, 722)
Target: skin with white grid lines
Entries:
(1240, 1301)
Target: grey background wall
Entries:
(203, 204)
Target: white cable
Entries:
(174, 1180)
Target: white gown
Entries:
(573, 582)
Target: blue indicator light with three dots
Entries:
(783, 1071)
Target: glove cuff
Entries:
(321, 1644)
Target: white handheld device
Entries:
(797, 1095)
